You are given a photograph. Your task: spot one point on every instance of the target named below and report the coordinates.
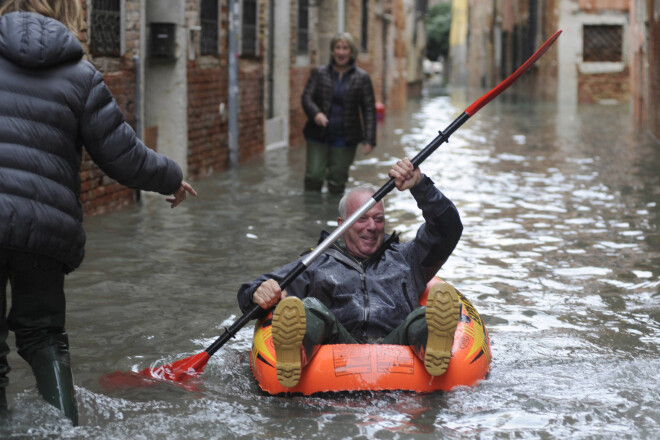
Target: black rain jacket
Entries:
(359, 105)
(371, 298)
(52, 103)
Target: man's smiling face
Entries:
(365, 235)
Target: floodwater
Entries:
(560, 254)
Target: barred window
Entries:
(302, 45)
(105, 29)
(602, 43)
(249, 28)
(209, 21)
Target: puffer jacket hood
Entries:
(32, 40)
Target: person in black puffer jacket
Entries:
(52, 103)
(340, 106)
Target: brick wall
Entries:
(373, 61)
(601, 5)
(297, 116)
(207, 131)
(251, 94)
(398, 87)
(375, 45)
(251, 109)
(654, 72)
(595, 87)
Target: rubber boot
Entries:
(443, 312)
(52, 370)
(288, 332)
(299, 329)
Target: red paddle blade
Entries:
(179, 371)
(120, 380)
(471, 110)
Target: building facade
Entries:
(608, 52)
(645, 65)
(215, 83)
(589, 63)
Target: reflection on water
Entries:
(560, 254)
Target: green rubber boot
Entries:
(52, 370)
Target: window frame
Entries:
(300, 49)
(595, 67)
(241, 50)
(202, 20)
(364, 27)
(91, 31)
(593, 29)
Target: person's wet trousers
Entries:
(37, 318)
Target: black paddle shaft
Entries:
(442, 137)
(252, 313)
(304, 264)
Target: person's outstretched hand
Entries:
(405, 175)
(180, 194)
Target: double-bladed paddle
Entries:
(192, 366)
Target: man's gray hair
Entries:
(366, 188)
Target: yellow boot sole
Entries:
(442, 315)
(288, 328)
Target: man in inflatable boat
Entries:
(367, 289)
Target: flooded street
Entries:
(560, 254)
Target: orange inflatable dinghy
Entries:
(378, 367)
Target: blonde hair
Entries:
(68, 12)
(348, 39)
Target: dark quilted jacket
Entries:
(359, 105)
(371, 298)
(52, 103)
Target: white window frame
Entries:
(593, 67)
